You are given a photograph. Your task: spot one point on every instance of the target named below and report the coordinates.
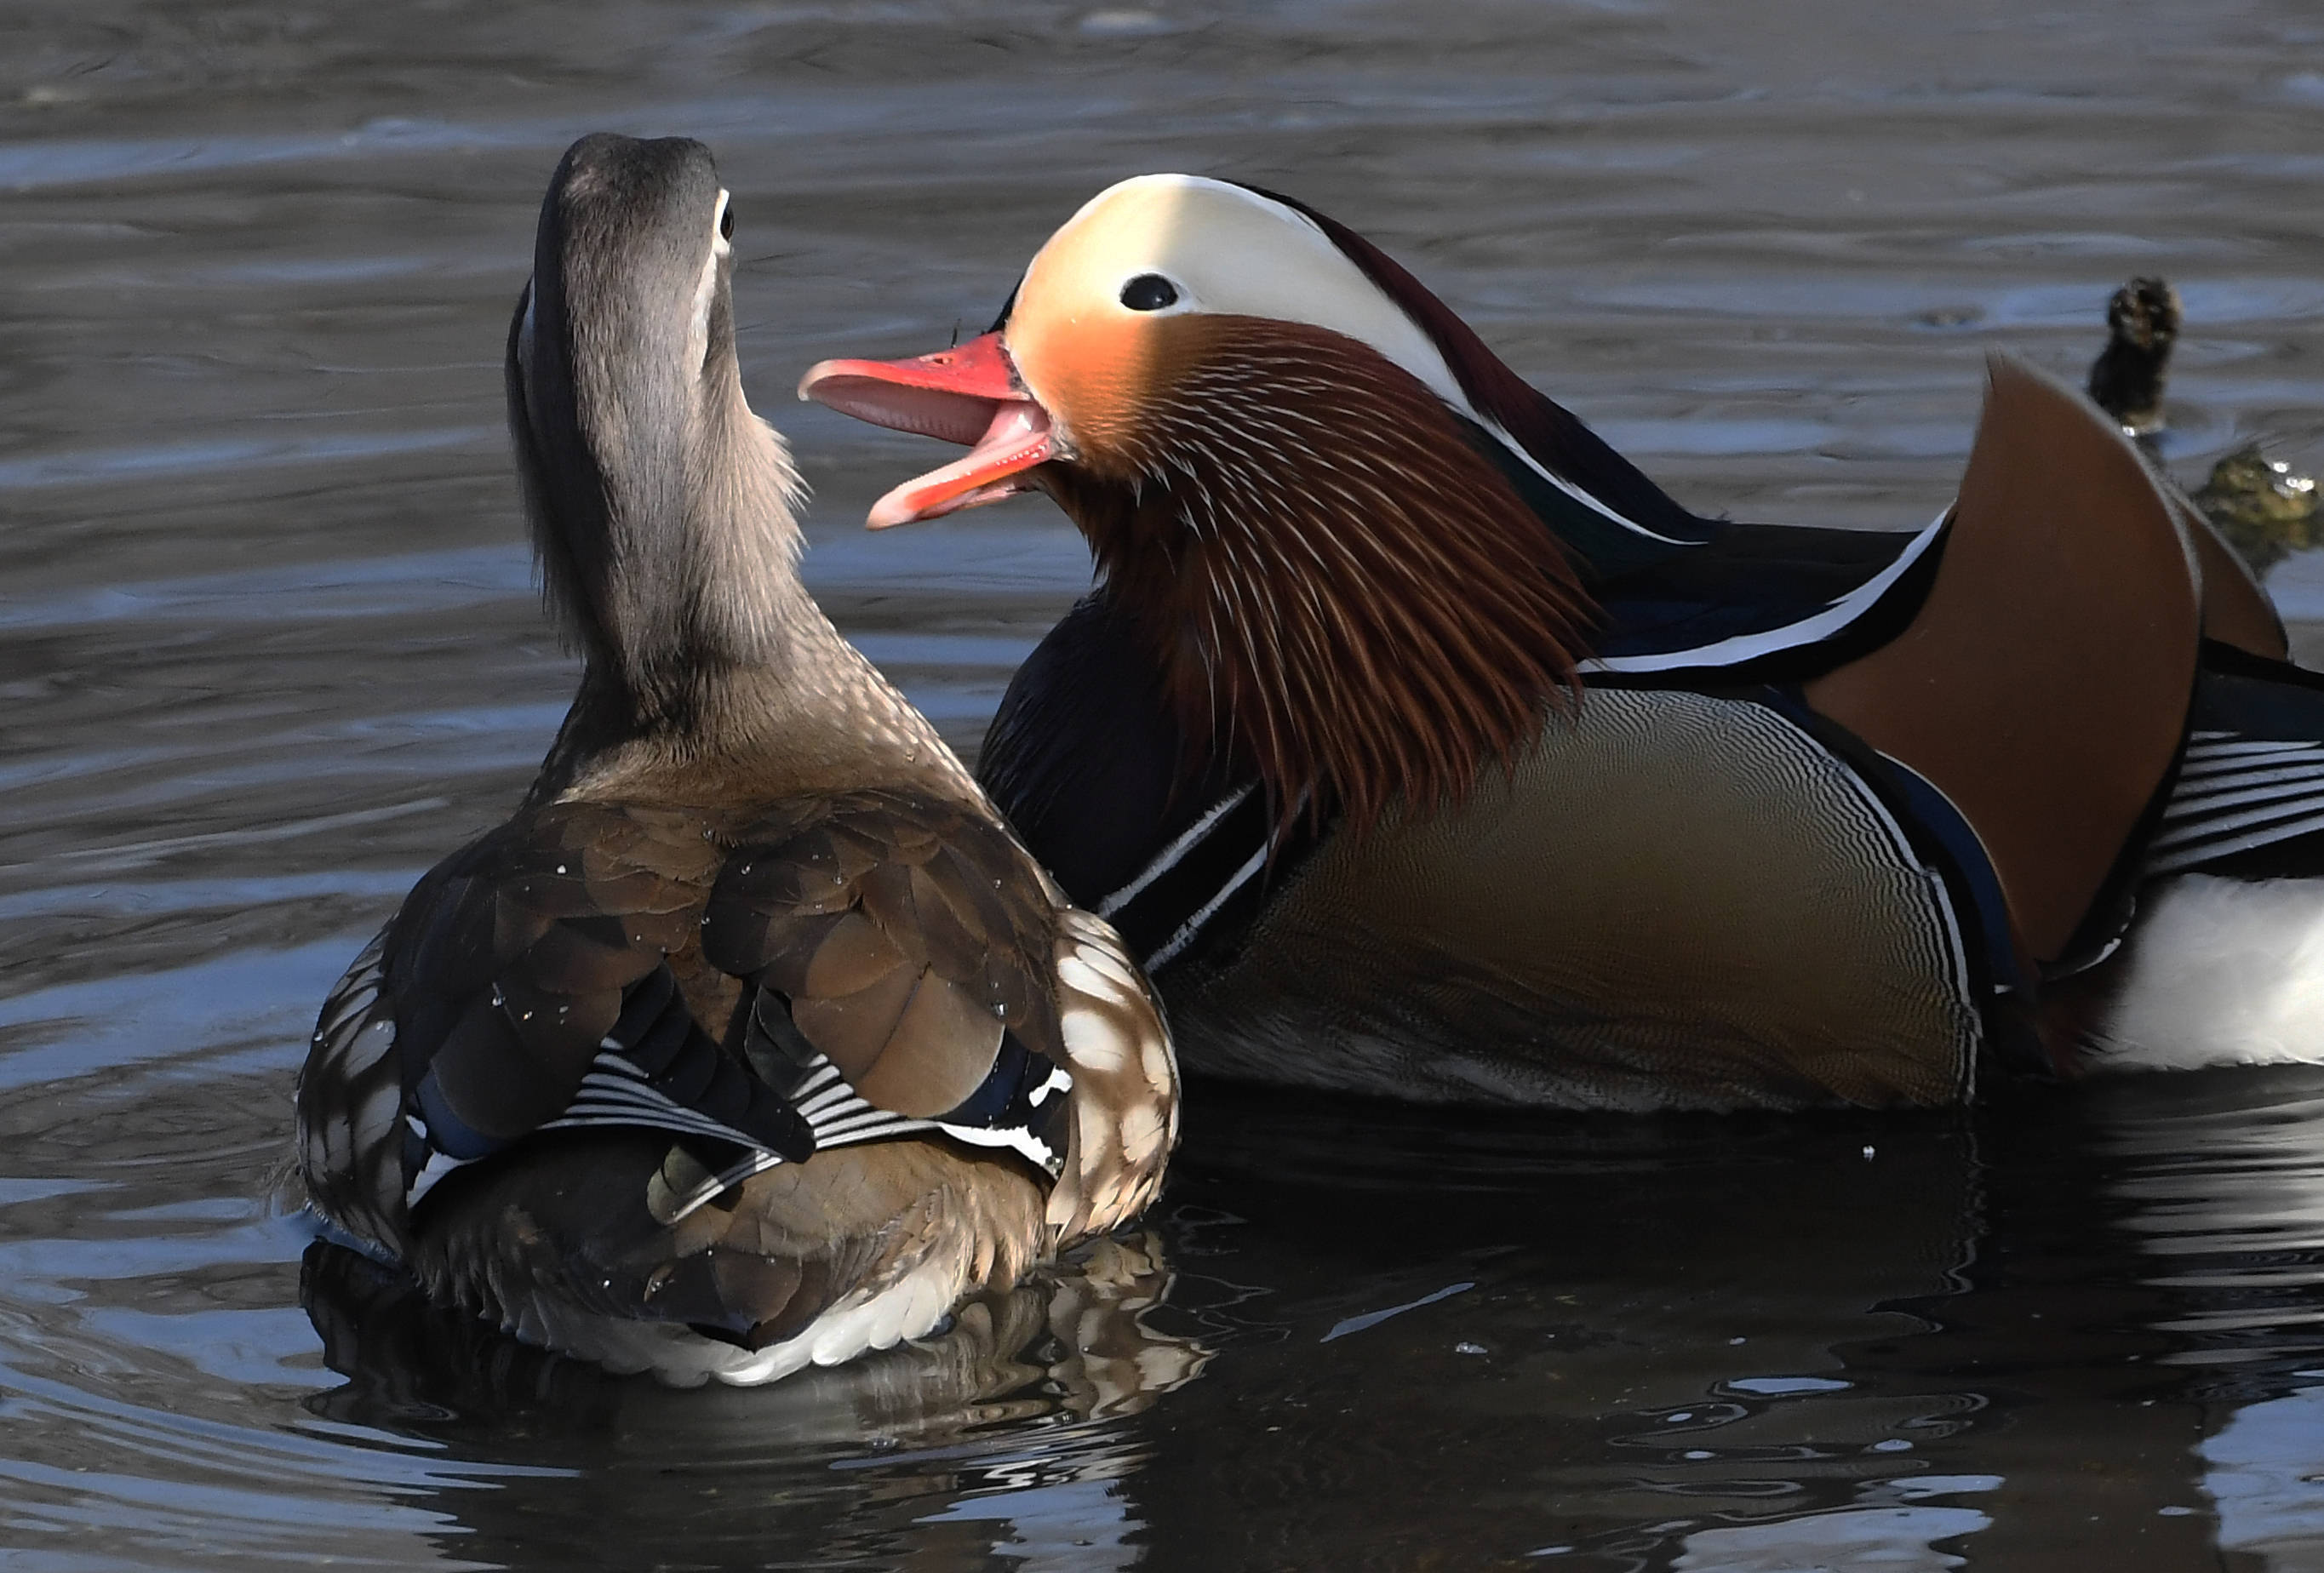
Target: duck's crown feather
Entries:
(1512, 408)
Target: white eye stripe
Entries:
(707, 289)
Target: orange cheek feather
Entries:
(1096, 377)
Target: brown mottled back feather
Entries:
(900, 935)
(904, 934)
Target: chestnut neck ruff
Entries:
(1340, 592)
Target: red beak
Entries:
(966, 394)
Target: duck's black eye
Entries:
(726, 222)
(1149, 292)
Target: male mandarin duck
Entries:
(753, 1039)
(1421, 746)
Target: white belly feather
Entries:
(2221, 973)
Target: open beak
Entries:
(966, 394)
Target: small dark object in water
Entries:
(2141, 324)
(2266, 512)
(2262, 510)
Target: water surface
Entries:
(269, 646)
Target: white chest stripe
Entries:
(1167, 858)
(1208, 910)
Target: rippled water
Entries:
(268, 647)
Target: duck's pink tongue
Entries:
(968, 394)
(1016, 438)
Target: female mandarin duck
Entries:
(1422, 746)
(753, 1039)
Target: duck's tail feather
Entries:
(799, 1263)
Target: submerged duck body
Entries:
(1422, 746)
(753, 1039)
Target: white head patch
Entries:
(1228, 249)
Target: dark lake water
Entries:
(269, 646)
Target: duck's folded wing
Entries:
(1762, 602)
(917, 973)
(526, 984)
(900, 947)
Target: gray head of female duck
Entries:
(662, 507)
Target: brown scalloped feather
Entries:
(1339, 589)
(905, 934)
(1124, 1109)
(534, 937)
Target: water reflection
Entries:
(1952, 1344)
(1073, 1343)
(1002, 1431)
(2077, 1325)
(2228, 1194)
